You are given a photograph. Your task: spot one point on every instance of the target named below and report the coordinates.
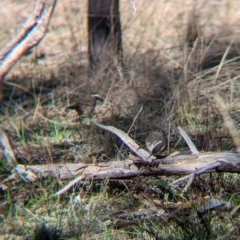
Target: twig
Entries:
(133, 7)
(76, 180)
(194, 151)
(144, 155)
(188, 141)
(134, 120)
(189, 183)
(7, 150)
(198, 172)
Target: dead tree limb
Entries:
(144, 155)
(7, 150)
(177, 164)
(182, 165)
(31, 34)
(188, 141)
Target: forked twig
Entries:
(195, 151)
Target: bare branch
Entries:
(189, 183)
(144, 155)
(172, 165)
(7, 150)
(188, 141)
(133, 7)
(192, 175)
(221, 162)
(31, 34)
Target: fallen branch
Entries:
(177, 164)
(144, 155)
(7, 150)
(164, 210)
(192, 175)
(31, 34)
(188, 141)
(219, 162)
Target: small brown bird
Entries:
(85, 105)
(156, 142)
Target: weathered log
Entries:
(141, 165)
(172, 165)
(177, 165)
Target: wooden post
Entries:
(104, 29)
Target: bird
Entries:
(85, 105)
(156, 142)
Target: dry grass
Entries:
(177, 54)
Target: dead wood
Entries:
(146, 157)
(229, 162)
(219, 162)
(182, 165)
(133, 7)
(31, 34)
(188, 141)
(7, 150)
(174, 164)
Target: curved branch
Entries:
(31, 34)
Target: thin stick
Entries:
(188, 141)
(189, 183)
(76, 180)
(7, 150)
(134, 120)
(144, 155)
(133, 7)
(202, 170)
